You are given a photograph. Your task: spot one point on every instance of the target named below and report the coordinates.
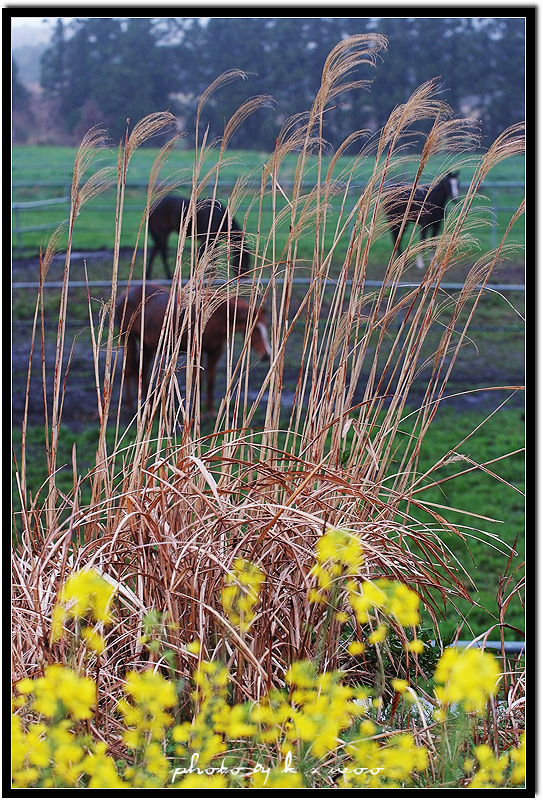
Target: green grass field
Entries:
(499, 338)
(351, 504)
(44, 173)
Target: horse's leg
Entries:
(239, 253)
(435, 228)
(420, 260)
(154, 251)
(148, 353)
(160, 246)
(396, 238)
(241, 256)
(164, 254)
(130, 368)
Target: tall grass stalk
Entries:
(173, 508)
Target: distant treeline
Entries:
(103, 70)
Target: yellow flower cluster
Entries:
(52, 755)
(315, 720)
(374, 765)
(339, 557)
(469, 677)
(240, 593)
(518, 762)
(492, 771)
(339, 554)
(321, 707)
(60, 692)
(390, 598)
(311, 719)
(217, 723)
(146, 719)
(145, 716)
(86, 595)
(203, 737)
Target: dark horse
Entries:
(212, 223)
(427, 209)
(233, 312)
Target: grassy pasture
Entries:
(495, 337)
(367, 469)
(46, 171)
(493, 352)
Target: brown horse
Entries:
(212, 223)
(233, 312)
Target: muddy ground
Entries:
(494, 358)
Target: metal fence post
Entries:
(494, 212)
(18, 229)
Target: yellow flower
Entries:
(85, 595)
(469, 677)
(155, 762)
(356, 648)
(402, 603)
(415, 646)
(383, 766)
(101, 769)
(339, 554)
(277, 779)
(149, 687)
(94, 640)
(58, 617)
(196, 781)
(399, 685)
(211, 679)
(61, 689)
(301, 674)
(378, 635)
(342, 548)
(146, 716)
(518, 761)
(368, 597)
(402, 757)
(18, 743)
(491, 770)
(233, 721)
(390, 597)
(367, 727)
(240, 593)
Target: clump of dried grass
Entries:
(172, 509)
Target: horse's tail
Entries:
(243, 259)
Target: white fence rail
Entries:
(19, 229)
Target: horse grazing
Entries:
(427, 209)
(212, 223)
(233, 312)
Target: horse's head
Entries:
(454, 186)
(260, 342)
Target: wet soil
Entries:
(493, 358)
